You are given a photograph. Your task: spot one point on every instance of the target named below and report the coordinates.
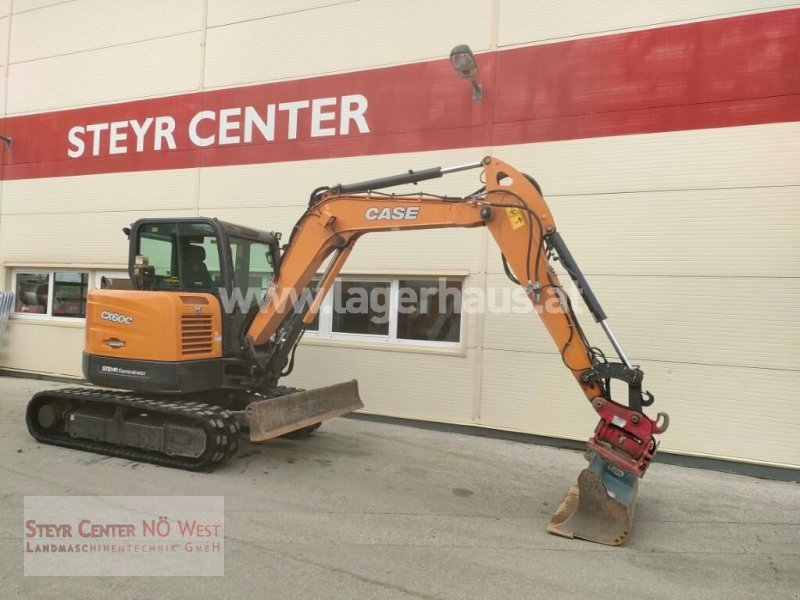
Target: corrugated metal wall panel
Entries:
(389, 380)
(163, 66)
(690, 241)
(681, 233)
(524, 391)
(80, 238)
(677, 204)
(21, 6)
(430, 250)
(4, 46)
(341, 37)
(84, 25)
(729, 157)
(291, 183)
(224, 12)
(523, 21)
(3, 86)
(736, 322)
(41, 347)
(114, 192)
(5, 27)
(728, 412)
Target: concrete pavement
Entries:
(378, 511)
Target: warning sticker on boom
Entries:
(515, 216)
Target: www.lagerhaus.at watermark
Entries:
(379, 302)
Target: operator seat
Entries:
(194, 273)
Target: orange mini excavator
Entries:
(180, 377)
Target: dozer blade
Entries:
(600, 507)
(273, 417)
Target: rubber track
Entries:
(222, 430)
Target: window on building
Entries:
(69, 294)
(361, 307)
(32, 291)
(420, 311)
(56, 294)
(429, 310)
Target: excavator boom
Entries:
(600, 506)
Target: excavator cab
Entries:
(234, 264)
(200, 254)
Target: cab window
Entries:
(253, 263)
(183, 255)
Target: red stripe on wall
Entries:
(721, 73)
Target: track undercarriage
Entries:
(178, 431)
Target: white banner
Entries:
(124, 535)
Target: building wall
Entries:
(667, 154)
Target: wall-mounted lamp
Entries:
(6, 139)
(464, 64)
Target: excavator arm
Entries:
(510, 205)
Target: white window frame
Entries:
(50, 272)
(326, 332)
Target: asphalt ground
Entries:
(374, 510)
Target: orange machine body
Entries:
(153, 325)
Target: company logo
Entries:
(124, 536)
(304, 118)
(122, 371)
(116, 317)
(398, 213)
